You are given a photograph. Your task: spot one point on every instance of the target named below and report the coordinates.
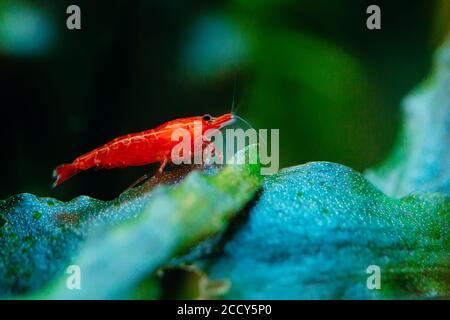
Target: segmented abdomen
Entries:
(130, 150)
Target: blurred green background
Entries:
(308, 67)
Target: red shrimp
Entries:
(141, 148)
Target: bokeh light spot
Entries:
(24, 30)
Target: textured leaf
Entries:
(115, 243)
(317, 227)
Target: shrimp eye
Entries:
(207, 117)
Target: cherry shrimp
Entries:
(141, 148)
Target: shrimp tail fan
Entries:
(63, 173)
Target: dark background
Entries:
(308, 67)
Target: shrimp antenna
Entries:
(233, 102)
(244, 121)
(250, 125)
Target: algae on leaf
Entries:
(37, 237)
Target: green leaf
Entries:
(115, 243)
(421, 159)
(315, 230)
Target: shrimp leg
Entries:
(134, 184)
(162, 166)
(146, 176)
(210, 150)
